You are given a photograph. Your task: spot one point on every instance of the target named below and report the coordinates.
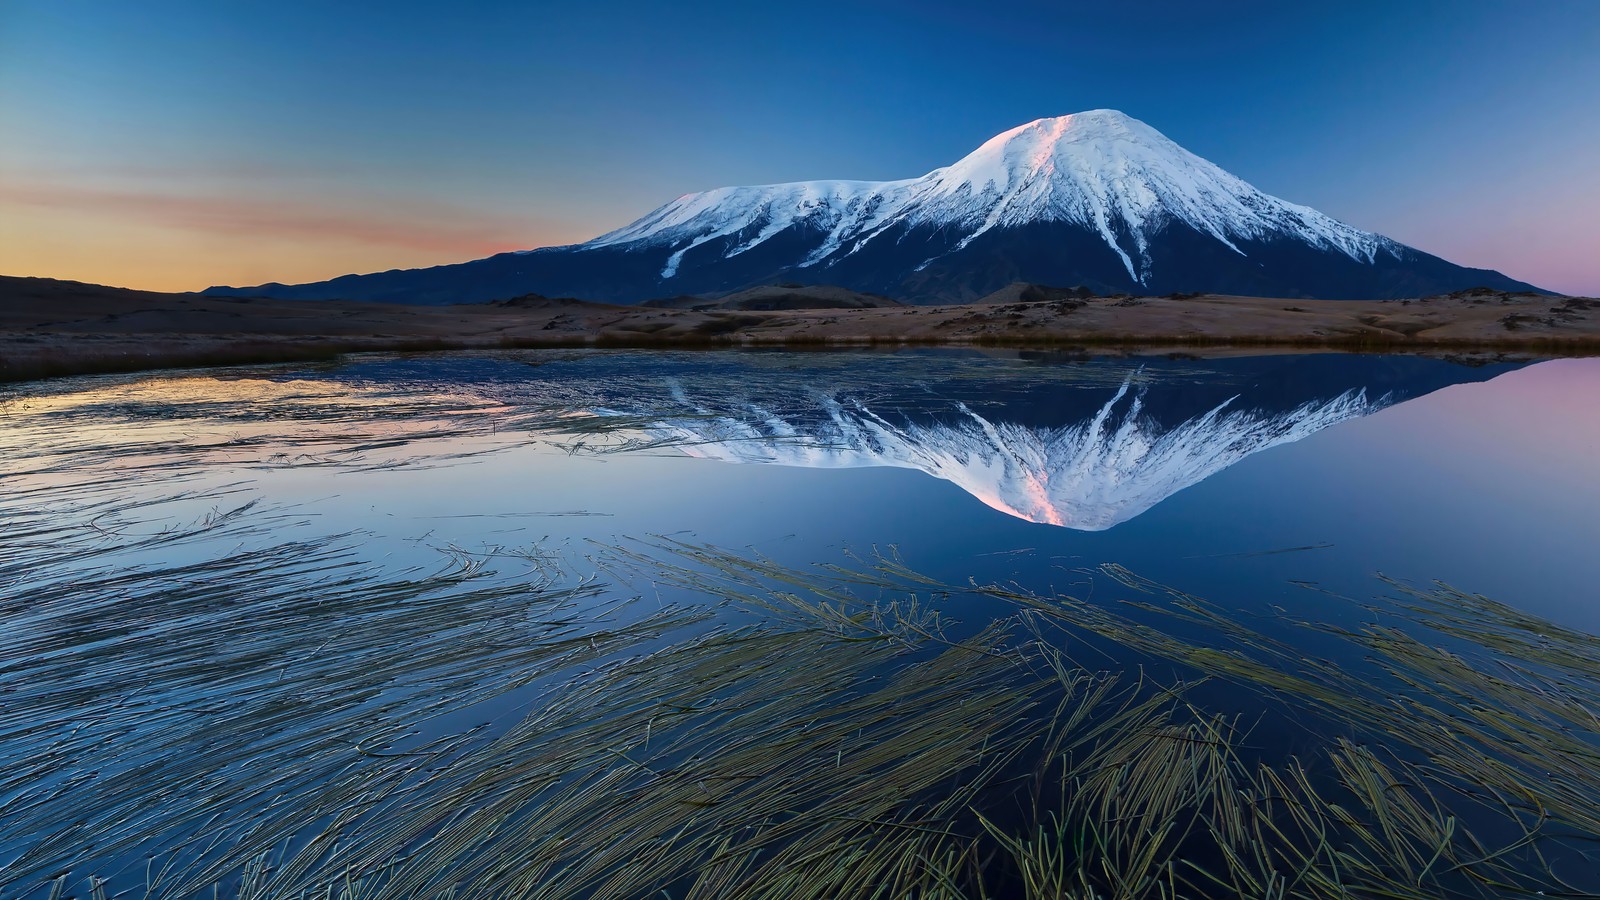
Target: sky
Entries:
(175, 145)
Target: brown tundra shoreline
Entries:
(54, 328)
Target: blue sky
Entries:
(173, 145)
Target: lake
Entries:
(931, 622)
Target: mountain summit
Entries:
(1096, 198)
(1101, 171)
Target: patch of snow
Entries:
(1100, 169)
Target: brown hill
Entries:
(781, 297)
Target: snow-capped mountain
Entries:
(1097, 198)
(1098, 170)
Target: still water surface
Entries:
(172, 541)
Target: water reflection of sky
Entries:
(1491, 485)
(1479, 476)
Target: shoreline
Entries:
(135, 357)
(52, 329)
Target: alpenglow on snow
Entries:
(1097, 199)
(1100, 170)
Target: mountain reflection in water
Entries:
(1088, 475)
(1086, 454)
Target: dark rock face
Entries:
(893, 265)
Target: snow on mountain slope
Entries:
(1101, 169)
(1097, 200)
(694, 219)
(1088, 476)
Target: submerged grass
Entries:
(201, 694)
(287, 722)
(147, 705)
(1405, 762)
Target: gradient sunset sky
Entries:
(176, 145)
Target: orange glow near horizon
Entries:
(177, 241)
(172, 230)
